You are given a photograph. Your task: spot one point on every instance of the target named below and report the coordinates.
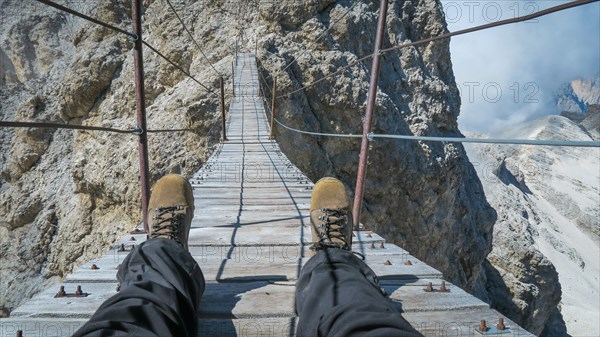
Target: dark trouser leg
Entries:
(161, 286)
(337, 294)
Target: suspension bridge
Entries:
(250, 232)
(250, 235)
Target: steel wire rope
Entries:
(88, 18)
(343, 135)
(339, 70)
(45, 125)
(444, 36)
(16, 124)
(132, 35)
(493, 24)
(504, 141)
(192, 37)
(177, 66)
(323, 34)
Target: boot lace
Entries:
(333, 227)
(167, 223)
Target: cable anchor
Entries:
(136, 130)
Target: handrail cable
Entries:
(343, 135)
(88, 18)
(134, 36)
(45, 125)
(538, 14)
(192, 37)
(176, 66)
(323, 33)
(15, 124)
(339, 70)
(447, 35)
(505, 141)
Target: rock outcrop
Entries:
(424, 196)
(66, 194)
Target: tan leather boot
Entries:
(330, 215)
(171, 209)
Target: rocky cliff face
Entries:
(65, 195)
(423, 196)
(546, 236)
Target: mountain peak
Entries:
(576, 96)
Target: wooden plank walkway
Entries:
(250, 235)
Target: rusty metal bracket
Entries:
(63, 293)
(431, 289)
(500, 328)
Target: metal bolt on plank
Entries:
(429, 287)
(94, 267)
(408, 263)
(61, 292)
(483, 326)
(500, 326)
(443, 287)
(387, 263)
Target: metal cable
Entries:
(339, 70)
(323, 33)
(192, 37)
(176, 66)
(494, 24)
(505, 141)
(169, 130)
(318, 133)
(444, 36)
(88, 18)
(14, 124)
(135, 130)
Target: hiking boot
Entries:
(171, 209)
(330, 215)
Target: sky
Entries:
(510, 74)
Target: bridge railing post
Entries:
(224, 138)
(364, 146)
(273, 108)
(138, 59)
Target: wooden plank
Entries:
(262, 327)
(256, 263)
(40, 327)
(460, 322)
(247, 300)
(409, 295)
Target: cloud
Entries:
(510, 74)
